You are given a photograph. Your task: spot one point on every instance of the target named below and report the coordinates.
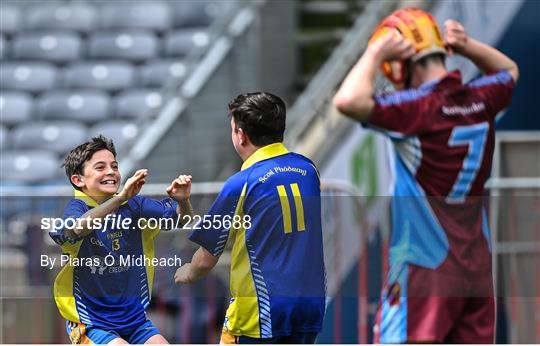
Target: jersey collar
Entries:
(265, 153)
(453, 77)
(87, 199)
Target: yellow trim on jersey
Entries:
(264, 153)
(243, 312)
(148, 235)
(77, 194)
(285, 208)
(63, 285)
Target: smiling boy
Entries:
(106, 302)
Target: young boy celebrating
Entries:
(102, 299)
(439, 286)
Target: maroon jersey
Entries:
(443, 133)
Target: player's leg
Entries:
(79, 333)
(157, 339)
(418, 305)
(391, 321)
(146, 333)
(118, 341)
(477, 324)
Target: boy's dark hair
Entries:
(74, 162)
(439, 57)
(261, 115)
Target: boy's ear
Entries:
(77, 180)
(242, 136)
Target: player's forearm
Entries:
(185, 208)
(488, 59)
(87, 220)
(201, 264)
(355, 96)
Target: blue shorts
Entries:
(80, 333)
(294, 338)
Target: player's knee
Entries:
(157, 339)
(117, 341)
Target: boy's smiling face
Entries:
(101, 177)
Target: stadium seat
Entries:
(67, 16)
(10, 19)
(31, 76)
(154, 15)
(195, 13)
(138, 103)
(15, 107)
(58, 136)
(56, 47)
(29, 166)
(129, 45)
(123, 133)
(179, 43)
(3, 47)
(87, 106)
(110, 76)
(155, 74)
(4, 140)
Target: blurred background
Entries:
(156, 77)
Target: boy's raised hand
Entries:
(456, 36)
(134, 184)
(180, 188)
(392, 47)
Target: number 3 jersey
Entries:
(277, 275)
(103, 284)
(443, 134)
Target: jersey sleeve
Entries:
(149, 208)
(213, 235)
(401, 113)
(495, 90)
(74, 210)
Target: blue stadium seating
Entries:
(10, 19)
(86, 106)
(138, 103)
(110, 76)
(128, 45)
(4, 141)
(31, 76)
(156, 73)
(15, 107)
(74, 16)
(124, 133)
(50, 46)
(57, 136)
(179, 43)
(29, 166)
(71, 69)
(153, 15)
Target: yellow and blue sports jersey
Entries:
(277, 269)
(95, 287)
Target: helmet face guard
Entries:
(417, 26)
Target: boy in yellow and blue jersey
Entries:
(274, 204)
(103, 299)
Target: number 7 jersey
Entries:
(277, 271)
(443, 134)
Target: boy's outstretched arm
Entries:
(485, 57)
(201, 263)
(355, 96)
(180, 191)
(84, 223)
